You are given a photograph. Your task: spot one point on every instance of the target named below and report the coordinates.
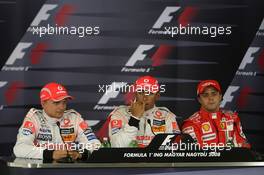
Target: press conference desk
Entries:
(31, 163)
(150, 160)
(30, 166)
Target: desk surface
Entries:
(31, 163)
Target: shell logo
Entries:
(206, 127)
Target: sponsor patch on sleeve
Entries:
(188, 130)
(116, 124)
(26, 131)
(174, 126)
(29, 125)
(114, 130)
(89, 134)
(83, 125)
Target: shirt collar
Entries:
(150, 111)
(51, 120)
(211, 115)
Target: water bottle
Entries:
(106, 143)
(133, 144)
(230, 143)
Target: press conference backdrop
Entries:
(125, 39)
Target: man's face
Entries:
(54, 109)
(147, 97)
(210, 99)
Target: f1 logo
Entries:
(111, 92)
(3, 83)
(248, 58)
(167, 140)
(165, 17)
(262, 25)
(138, 55)
(43, 15)
(18, 52)
(228, 97)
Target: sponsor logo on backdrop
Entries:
(139, 55)
(16, 58)
(250, 56)
(260, 32)
(25, 54)
(60, 19)
(228, 97)
(111, 92)
(158, 58)
(165, 24)
(2, 84)
(43, 14)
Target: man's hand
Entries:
(75, 155)
(58, 154)
(137, 108)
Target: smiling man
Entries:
(212, 125)
(142, 120)
(54, 133)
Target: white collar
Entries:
(150, 111)
(51, 120)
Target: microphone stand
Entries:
(68, 158)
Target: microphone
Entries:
(67, 159)
(149, 122)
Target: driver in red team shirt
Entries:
(212, 125)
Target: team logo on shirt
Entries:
(83, 125)
(223, 125)
(67, 131)
(209, 137)
(175, 127)
(66, 123)
(158, 122)
(206, 127)
(26, 131)
(116, 123)
(44, 137)
(230, 125)
(161, 129)
(158, 115)
(29, 125)
(69, 137)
